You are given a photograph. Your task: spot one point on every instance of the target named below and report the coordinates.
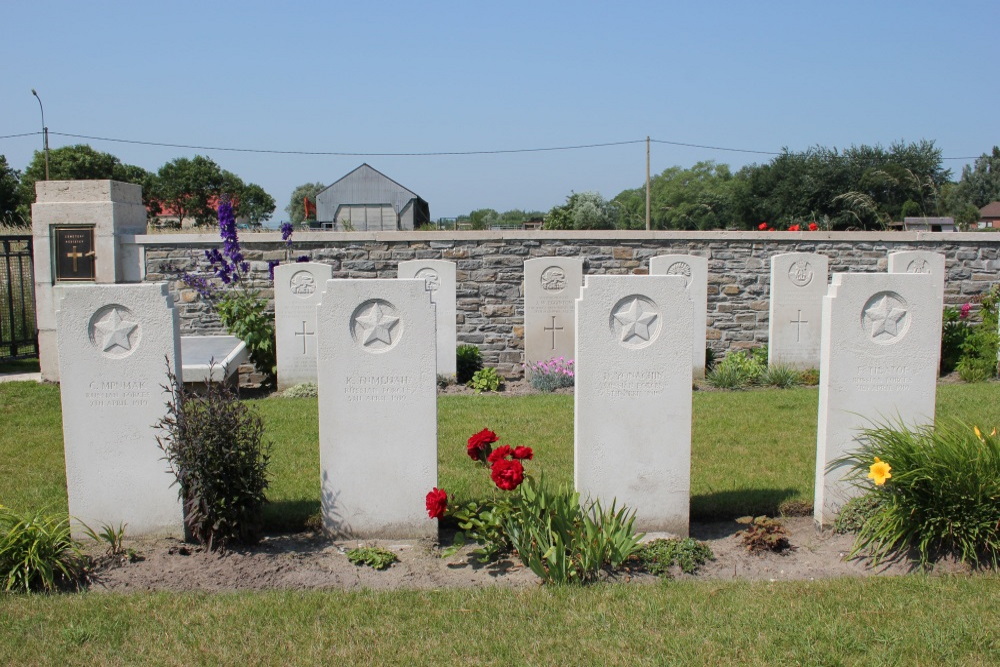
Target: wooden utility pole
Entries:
(647, 184)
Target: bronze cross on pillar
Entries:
(75, 255)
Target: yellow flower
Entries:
(979, 434)
(879, 471)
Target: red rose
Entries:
(523, 453)
(507, 475)
(501, 452)
(479, 444)
(793, 228)
(762, 226)
(813, 226)
(437, 503)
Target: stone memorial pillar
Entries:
(377, 407)
(78, 229)
(551, 287)
(439, 279)
(694, 270)
(633, 397)
(923, 261)
(116, 343)
(798, 285)
(877, 367)
(298, 289)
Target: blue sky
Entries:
(404, 77)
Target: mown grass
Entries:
(751, 450)
(834, 622)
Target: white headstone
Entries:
(298, 289)
(439, 279)
(878, 367)
(115, 346)
(694, 269)
(798, 285)
(377, 407)
(633, 397)
(923, 261)
(551, 288)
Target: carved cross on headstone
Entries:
(553, 328)
(304, 333)
(798, 327)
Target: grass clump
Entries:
(214, 446)
(377, 558)
(779, 376)
(658, 556)
(739, 369)
(37, 552)
(939, 489)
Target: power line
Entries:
(416, 154)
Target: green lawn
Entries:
(751, 450)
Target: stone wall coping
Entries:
(600, 235)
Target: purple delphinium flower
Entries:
(286, 233)
(302, 258)
(270, 268)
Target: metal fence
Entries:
(18, 335)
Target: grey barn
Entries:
(366, 200)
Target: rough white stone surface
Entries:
(218, 357)
(115, 343)
(114, 210)
(878, 366)
(694, 269)
(922, 261)
(298, 290)
(439, 278)
(633, 397)
(551, 288)
(377, 408)
(798, 285)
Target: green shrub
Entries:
(304, 390)
(857, 511)
(377, 558)
(739, 369)
(468, 360)
(941, 493)
(244, 314)
(976, 369)
(37, 552)
(809, 377)
(955, 330)
(658, 556)
(486, 379)
(214, 447)
(978, 360)
(781, 376)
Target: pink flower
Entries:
(964, 310)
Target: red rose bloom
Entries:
(523, 453)
(762, 226)
(479, 444)
(437, 503)
(813, 226)
(793, 228)
(507, 475)
(501, 452)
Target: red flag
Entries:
(310, 208)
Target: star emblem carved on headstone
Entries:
(635, 321)
(115, 331)
(377, 325)
(886, 317)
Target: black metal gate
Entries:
(18, 335)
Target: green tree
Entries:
(980, 183)
(254, 204)
(189, 187)
(483, 218)
(583, 210)
(695, 198)
(296, 206)
(79, 162)
(10, 198)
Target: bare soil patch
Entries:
(309, 561)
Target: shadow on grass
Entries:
(289, 516)
(19, 366)
(726, 505)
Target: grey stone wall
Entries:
(490, 270)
